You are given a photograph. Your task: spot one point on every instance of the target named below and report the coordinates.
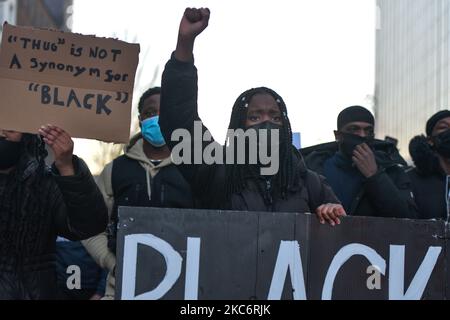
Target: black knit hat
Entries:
(354, 114)
(435, 119)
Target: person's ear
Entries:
(430, 141)
(337, 135)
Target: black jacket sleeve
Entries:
(328, 195)
(179, 92)
(78, 208)
(391, 194)
(319, 190)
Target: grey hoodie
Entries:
(97, 246)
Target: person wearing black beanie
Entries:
(431, 156)
(366, 174)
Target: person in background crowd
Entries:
(78, 275)
(367, 175)
(143, 177)
(431, 155)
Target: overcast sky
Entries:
(319, 55)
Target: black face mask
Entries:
(269, 126)
(351, 141)
(442, 144)
(9, 153)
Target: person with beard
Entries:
(239, 186)
(431, 155)
(144, 176)
(367, 175)
(37, 204)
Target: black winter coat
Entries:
(386, 194)
(44, 205)
(428, 180)
(168, 189)
(179, 111)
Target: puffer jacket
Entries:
(45, 205)
(386, 194)
(428, 180)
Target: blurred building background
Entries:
(8, 12)
(53, 14)
(412, 66)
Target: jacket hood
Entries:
(423, 155)
(135, 150)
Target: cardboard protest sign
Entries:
(222, 255)
(83, 84)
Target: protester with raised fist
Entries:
(243, 185)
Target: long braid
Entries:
(287, 176)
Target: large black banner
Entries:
(206, 254)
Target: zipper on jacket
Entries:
(268, 194)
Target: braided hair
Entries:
(287, 176)
(22, 202)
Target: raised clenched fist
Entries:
(193, 15)
(194, 21)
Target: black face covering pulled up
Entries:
(442, 144)
(350, 142)
(9, 153)
(269, 126)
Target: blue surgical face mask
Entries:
(152, 133)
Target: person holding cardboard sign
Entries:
(249, 179)
(38, 203)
